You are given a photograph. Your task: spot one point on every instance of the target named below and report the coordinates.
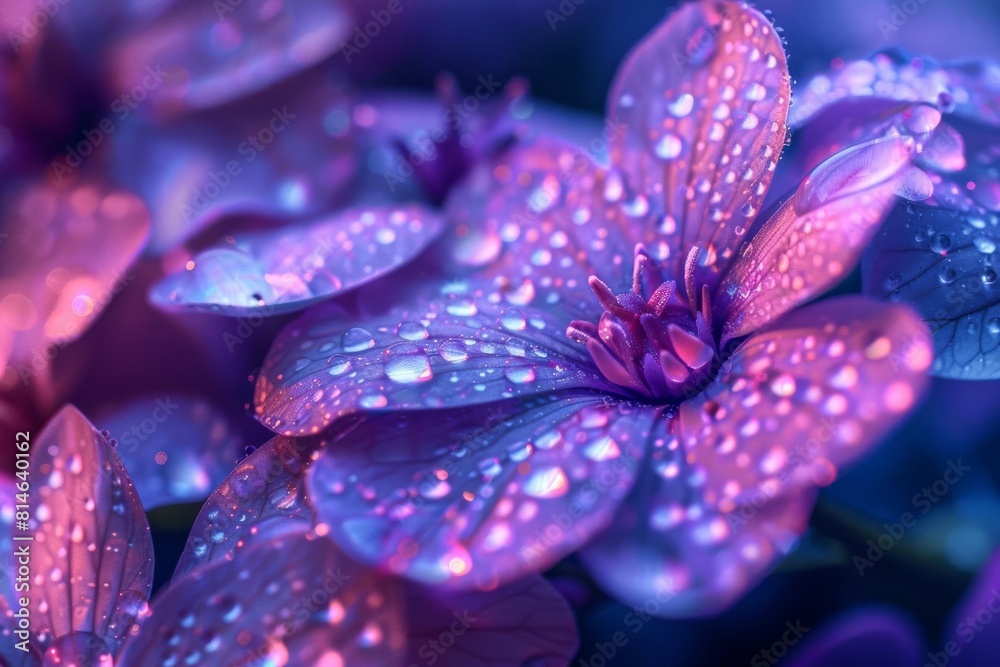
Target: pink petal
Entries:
(293, 600)
(813, 393)
(197, 54)
(284, 153)
(475, 498)
(671, 552)
(539, 216)
(263, 498)
(816, 237)
(66, 256)
(703, 101)
(92, 555)
(275, 272)
(475, 343)
(176, 448)
(524, 623)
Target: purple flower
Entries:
(939, 254)
(253, 586)
(631, 361)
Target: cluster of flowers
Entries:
(608, 355)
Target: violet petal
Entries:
(477, 498)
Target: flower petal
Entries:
(91, 537)
(65, 256)
(524, 623)
(259, 609)
(475, 343)
(670, 544)
(703, 100)
(176, 449)
(478, 498)
(941, 262)
(540, 213)
(816, 237)
(814, 392)
(969, 89)
(982, 598)
(285, 153)
(263, 498)
(196, 54)
(283, 270)
(863, 637)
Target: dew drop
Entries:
(669, 146)
(682, 106)
(409, 369)
(941, 244)
(357, 339)
(947, 275)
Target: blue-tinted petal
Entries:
(816, 237)
(809, 395)
(863, 637)
(524, 623)
(293, 600)
(971, 624)
(474, 498)
(669, 542)
(941, 261)
(286, 269)
(176, 449)
(197, 54)
(91, 537)
(476, 342)
(264, 497)
(703, 101)
(284, 153)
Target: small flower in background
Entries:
(253, 586)
(631, 359)
(128, 129)
(937, 254)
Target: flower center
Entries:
(653, 340)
